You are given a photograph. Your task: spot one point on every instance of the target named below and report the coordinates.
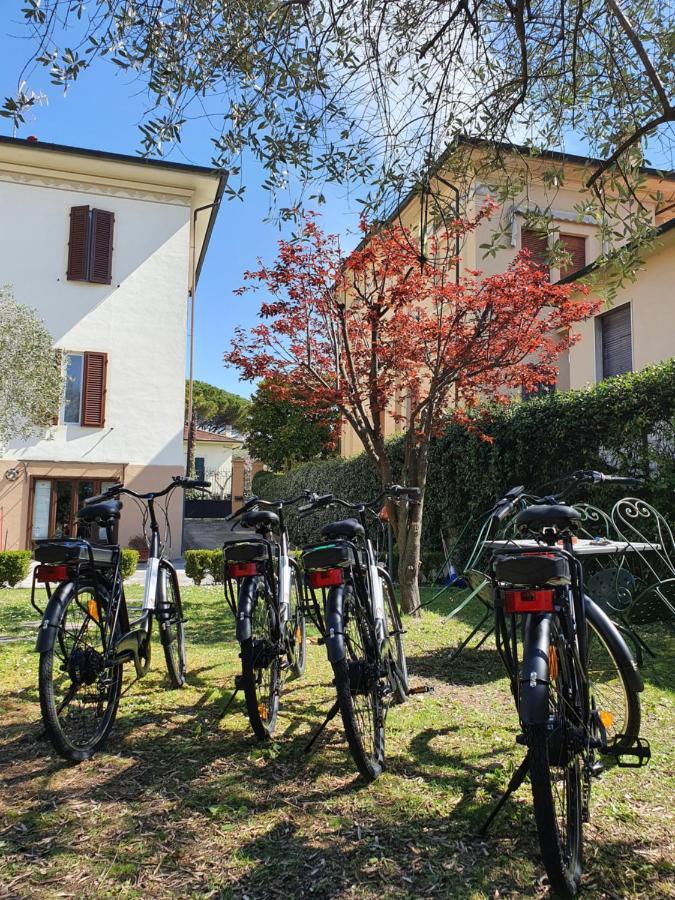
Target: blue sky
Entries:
(102, 111)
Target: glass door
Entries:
(42, 496)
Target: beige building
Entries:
(638, 328)
(107, 249)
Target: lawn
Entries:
(185, 803)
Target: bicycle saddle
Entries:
(100, 512)
(256, 518)
(548, 516)
(347, 528)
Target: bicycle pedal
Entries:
(239, 682)
(520, 739)
(637, 756)
(596, 769)
(421, 689)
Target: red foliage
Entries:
(356, 333)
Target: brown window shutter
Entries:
(78, 244)
(575, 245)
(93, 390)
(101, 246)
(537, 244)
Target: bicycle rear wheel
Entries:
(79, 695)
(358, 687)
(261, 663)
(169, 612)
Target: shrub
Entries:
(196, 564)
(129, 562)
(14, 566)
(214, 565)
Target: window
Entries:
(537, 244)
(85, 389)
(575, 245)
(199, 468)
(90, 245)
(72, 397)
(615, 354)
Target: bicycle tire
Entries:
(400, 682)
(367, 750)
(261, 691)
(610, 691)
(171, 627)
(298, 638)
(562, 853)
(55, 661)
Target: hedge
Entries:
(200, 563)
(14, 566)
(624, 424)
(129, 562)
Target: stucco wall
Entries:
(139, 320)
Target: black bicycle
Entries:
(360, 623)
(85, 637)
(263, 586)
(574, 681)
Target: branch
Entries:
(628, 142)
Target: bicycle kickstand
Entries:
(515, 782)
(332, 712)
(237, 688)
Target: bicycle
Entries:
(85, 636)
(565, 723)
(268, 609)
(360, 625)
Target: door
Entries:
(56, 502)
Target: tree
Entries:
(216, 409)
(282, 429)
(31, 382)
(383, 325)
(372, 92)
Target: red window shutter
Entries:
(78, 244)
(93, 389)
(101, 246)
(537, 244)
(575, 244)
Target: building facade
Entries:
(106, 249)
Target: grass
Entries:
(184, 803)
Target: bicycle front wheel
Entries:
(261, 663)
(296, 639)
(616, 703)
(79, 694)
(358, 687)
(397, 660)
(169, 612)
(555, 775)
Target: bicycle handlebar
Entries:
(391, 490)
(273, 504)
(177, 481)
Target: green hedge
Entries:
(14, 566)
(200, 563)
(624, 424)
(129, 562)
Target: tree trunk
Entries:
(190, 461)
(409, 539)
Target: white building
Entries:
(107, 249)
(214, 455)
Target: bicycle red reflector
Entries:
(51, 573)
(242, 569)
(526, 601)
(326, 578)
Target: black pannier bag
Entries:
(532, 570)
(71, 552)
(245, 551)
(328, 556)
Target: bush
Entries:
(200, 563)
(624, 424)
(129, 562)
(14, 566)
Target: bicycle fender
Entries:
(52, 615)
(534, 671)
(335, 638)
(245, 604)
(617, 646)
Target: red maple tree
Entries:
(386, 322)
